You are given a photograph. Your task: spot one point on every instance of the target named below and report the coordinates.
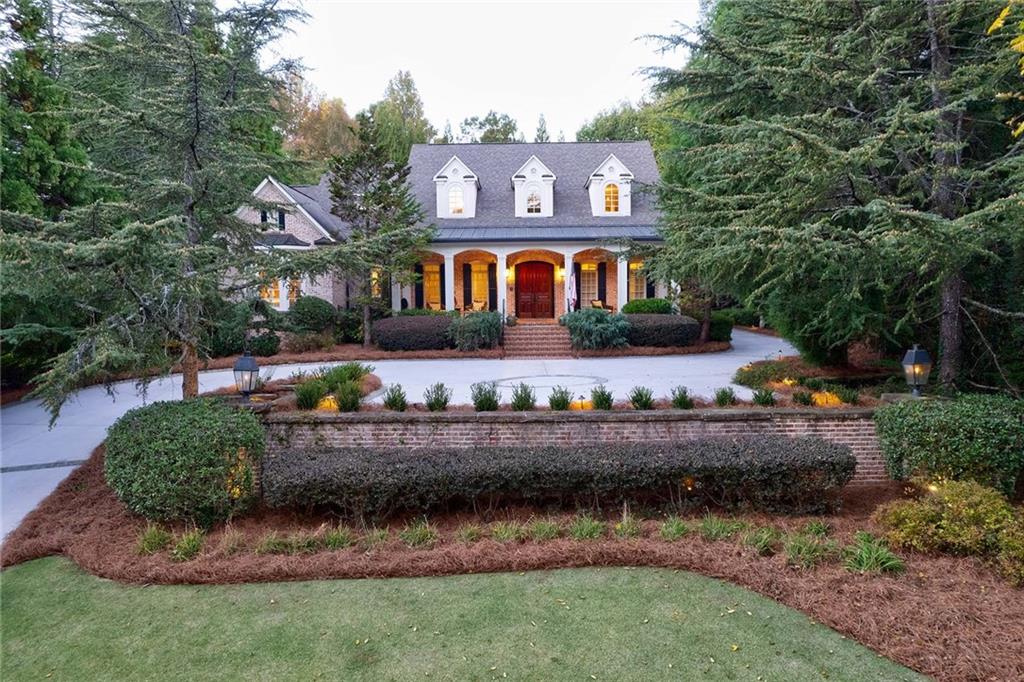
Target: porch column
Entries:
(449, 281)
(283, 293)
(502, 276)
(396, 296)
(567, 255)
(622, 282)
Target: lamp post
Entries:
(917, 365)
(247, 375)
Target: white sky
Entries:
(567, 60)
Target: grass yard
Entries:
(607, 624)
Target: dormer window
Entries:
(457, 187)
(533, 202)
(455, 200)
(611, 198)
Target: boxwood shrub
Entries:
(184, 460)
(592, 328)
(648, 306)
(662, 330)
(419, 332)
(974, 437)
(312, 314)
(721, 326)
(767, 472)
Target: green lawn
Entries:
(613, 624)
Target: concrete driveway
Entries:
(34, 458)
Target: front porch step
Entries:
(537, 340)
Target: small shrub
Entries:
(725, 396)
(560, 398)
(348, 326)
(803, 398)
(421, 332)
(374, 538)
(418, 535)
(349, 397)
(339, 375)
(721, 326)
(717, 528)
(508, 531)
(542, 530)
(586, 527)
(648, 306)
(628, 527)
(312, 314)
(764, 397)
(975, 437)
(813, 383)
(232, 542)
(958, 517)
(485, 396)
(474, 331)
(468, 533)
(808, 551)
(188, 545)
(394, 398)
(339, 537)
(765, 541)
(154, 538)
(308, 394)
(869, 554)
(757, 374)
(273, 543)
(592, 328)
(524, 398)
(817, 528)
(846, 395)
(437, 397)
(674, 528)
(186, 460)
(1010, 557)
(662, 330)
(307, 342)
(681, 399)
(265, 344)
(601, 397)
(641, 398)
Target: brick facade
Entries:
(852, 427)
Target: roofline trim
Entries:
(283, 189)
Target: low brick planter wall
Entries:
(854, 427)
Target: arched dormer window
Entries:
(455, 200)
(533, 202)
(611, 198)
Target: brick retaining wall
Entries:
(853, 427)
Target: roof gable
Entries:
(456, 169)
(534, 168)
(610, 169)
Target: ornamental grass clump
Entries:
(188, 545)
(764, 397)
(418, 535)
(349, 397)
(559, 399)
(373, 538)
(154, 538)
(468, 533)
(724, 397)
(437, 397)
(394, 398)
(765, 540)
(681, 399)
(628, 526)
(808, 551)
(339, 537)
(674, 528)
(803, 398)
(601, 398)
(350, 372)
(869, 554)
(641, 398)
(543, 529)
(524, 398)
(717, 528)
(485, 396)
(508, 531)
(308, 394)
(586, 527)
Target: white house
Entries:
(515, 224)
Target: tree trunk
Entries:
(367, 326)
(705, 321)
(951, 331)
(189, 372)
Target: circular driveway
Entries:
(34, 458)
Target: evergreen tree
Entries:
(43, 164)
(542, 131)
(172, 124)
(400, 119)
(447, 137)
(843, 167)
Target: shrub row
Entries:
(771, 473)
(647, 306)
(661, 330)
(426, 332)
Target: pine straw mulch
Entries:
(951, 618)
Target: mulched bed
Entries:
(648, 351)
(947, 617)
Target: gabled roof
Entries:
(278, 238)
(620, 171)
(545, 172)
(314, 202)
(458, 170)
(571, 162)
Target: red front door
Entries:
(535, 290)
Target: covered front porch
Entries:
(533, 282)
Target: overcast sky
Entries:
(566, 60)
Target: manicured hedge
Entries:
(766, 472)
(648, 306)
(975, 437)
(424, 332)
(312, 314)
(187, 460)
(662, 330)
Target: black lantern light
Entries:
(917, 365)
(247, 374)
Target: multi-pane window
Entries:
(588, 283)
(480, 288)
(271, 292)
(432, 286)
(637, 281)
(611, 198)
(533, 202)
(280, 218)
(263, 216)
(294, 289)
(455, 200)
(376, 283)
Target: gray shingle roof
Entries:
(571, 162)
(279, 239)
(316, 200)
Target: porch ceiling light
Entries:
(917, 365)
(247, 374)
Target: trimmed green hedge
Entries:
(417, 332)
(662, 330)
(765, 472)
(312, 314)
(187, 460)
(974, 437)
(648, 306)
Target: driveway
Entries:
(34, 458)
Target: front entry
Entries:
(535, 290)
